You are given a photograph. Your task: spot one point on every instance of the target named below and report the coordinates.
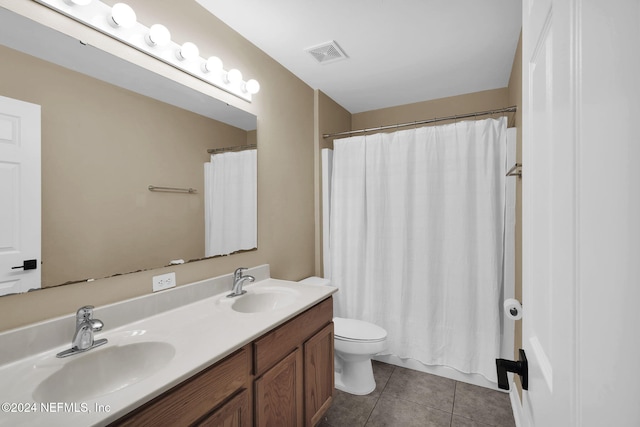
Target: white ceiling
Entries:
(400, 51)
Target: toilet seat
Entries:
(352, 330)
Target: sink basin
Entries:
(103, 370)
(266, 299)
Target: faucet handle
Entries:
(84, 313)
(238, 273)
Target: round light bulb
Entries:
(77, 2)
(158, 35)
(188, 51)
(233, 76)
(252, 86)
(122, 16)
(212, 64)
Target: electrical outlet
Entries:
(164, 281)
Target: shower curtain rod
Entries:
(511, 109)
(236, 148)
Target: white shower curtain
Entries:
(230, 202)
(417, 229)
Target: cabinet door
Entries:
(234, 413)
(318, 375)
(278, 398)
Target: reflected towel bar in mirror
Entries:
(173, 189)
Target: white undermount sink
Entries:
(103, 370)
(258, 300)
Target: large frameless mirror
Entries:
(111, 129)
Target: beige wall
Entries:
(285, 110)
(515, 98)
(102, 146)
(331, 117)
(443, 107)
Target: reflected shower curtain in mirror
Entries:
(231, 202)
(416, 239)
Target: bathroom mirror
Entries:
(110, 129)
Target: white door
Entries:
(19, 196)
(548, 187)
(581, 212)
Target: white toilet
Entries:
(355, 342)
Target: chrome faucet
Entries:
(238, 281)
(83, 338)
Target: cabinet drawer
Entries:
(187, 402)
(276, 344)
(234, 413)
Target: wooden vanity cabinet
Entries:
(293, 366)
(282, 379)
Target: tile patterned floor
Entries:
(407, 398)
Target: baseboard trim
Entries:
(516, 405)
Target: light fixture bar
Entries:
(98, 16)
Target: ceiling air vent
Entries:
(327, 52)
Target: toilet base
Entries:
(354, 376)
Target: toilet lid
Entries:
(357, 330)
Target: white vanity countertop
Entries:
(201, 332)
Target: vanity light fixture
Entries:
(251, 86)
(120, 23)
(212, 65)
(233, 76)
(122, 16)
(188, 51)
(77, 2)
(158, 35)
